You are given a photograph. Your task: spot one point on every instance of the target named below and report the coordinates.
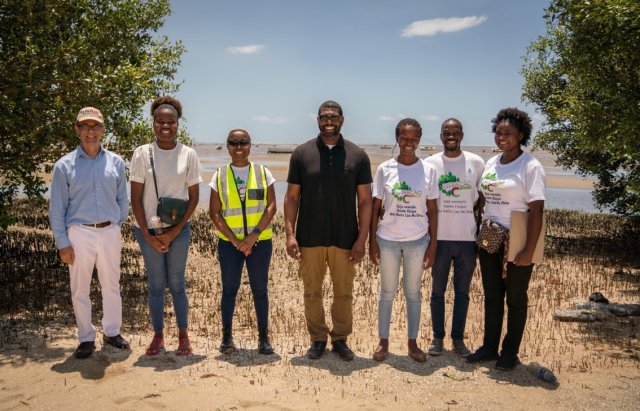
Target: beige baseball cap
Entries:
(90, 113)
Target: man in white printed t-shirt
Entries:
(458, 175)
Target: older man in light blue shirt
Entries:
(88, 205)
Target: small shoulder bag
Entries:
(170, 210)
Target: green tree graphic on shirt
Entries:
(399, 187)
(489, 177)
(447, 178)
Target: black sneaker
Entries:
(117, 341)
(343, 350)
(316, 350)
(507, 362)
(481, 355)
(85, 349)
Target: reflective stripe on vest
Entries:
(232, 206)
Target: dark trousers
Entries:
(231, 263)
(514, 287)
(463, 254)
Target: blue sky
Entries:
(266, 65)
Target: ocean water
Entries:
(566, 198)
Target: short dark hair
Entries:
(408, 122)
(330, 104)
(517, 118)
(455, 120)
(169, 100)
(239, 130)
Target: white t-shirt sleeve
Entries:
(213, 183)
(139, 165)
(433, 192)
(378, 183)
(194, 173)
(534, 181)
(269, 176)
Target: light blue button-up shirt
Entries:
(87, 190)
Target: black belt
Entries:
(99, 225)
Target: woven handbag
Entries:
(491, 236)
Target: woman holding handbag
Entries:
(164, 193)
(513, 181)
(241, 206)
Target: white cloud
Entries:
(271, 120)
(430, 117)
(250, 49)
(432, 27)
(391, 118)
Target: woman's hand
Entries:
(523, 258)
(247, 244)
(169, 234)
(156, 243)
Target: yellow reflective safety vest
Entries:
(243, 216)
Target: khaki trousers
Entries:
(313, 267)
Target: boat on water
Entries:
(281, 149)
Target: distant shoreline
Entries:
(214, 155)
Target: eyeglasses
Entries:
(332, 117)
(238, 143)
(84, 127)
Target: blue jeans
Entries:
(231, 263)
(463, 254)
(412, 255)
(166, 269)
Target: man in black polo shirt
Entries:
(328, 177)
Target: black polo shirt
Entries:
(327, 213)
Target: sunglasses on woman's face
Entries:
(238, 143)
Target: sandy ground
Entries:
(598, 364)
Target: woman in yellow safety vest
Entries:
(241, 206)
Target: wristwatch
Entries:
(256, 231)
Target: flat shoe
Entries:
(116, 341)
(156, 345)
(482, 355)
(85, 349)
(342, 349)
(316, 350)
(381, 353)
(418, 355)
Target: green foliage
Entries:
(60, 55)
(584, 76)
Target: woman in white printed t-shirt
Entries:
(511, 181)
(165, 247)
(406, 189)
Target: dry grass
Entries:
(584, 253)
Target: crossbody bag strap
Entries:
(153, 169)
